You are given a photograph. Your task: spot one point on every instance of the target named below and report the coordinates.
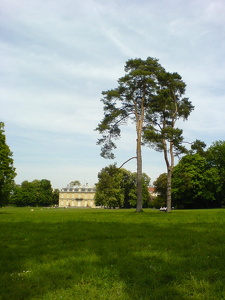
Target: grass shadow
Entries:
(98, 258)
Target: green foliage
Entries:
(196, 183)
(160, 185)
(128, 101)
(108, 189)
(7, 170)
(158, 202)
(75, 182)
(55, 197)
(167, 106)
(118, 188)
(85, 254)
(215, 156)
(35, 193)
(198, 147)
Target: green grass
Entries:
(111, 254)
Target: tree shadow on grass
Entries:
(100, 260)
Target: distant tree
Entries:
(17, 197)
(35, 193)
(7, 170)
(117, 188)
(145, 192)
(160, 185)
(129, 188)
(108, 189)
(55, 197)
(75, 183)
(161, 133)
(129, 184)
(129, 101)
(24, 194)
(45, 197)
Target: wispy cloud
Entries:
(58, 56)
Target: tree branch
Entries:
(127, 161)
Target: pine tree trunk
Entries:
(169, 183)
(139, 168)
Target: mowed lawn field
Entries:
(111, 254)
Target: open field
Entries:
(111, 254)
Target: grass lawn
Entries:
(111, 254)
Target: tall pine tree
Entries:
(7, 170)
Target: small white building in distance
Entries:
(77, 196)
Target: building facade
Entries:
(77, 196)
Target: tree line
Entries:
(198, 179)
(35, 193)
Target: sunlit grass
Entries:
(111, 254)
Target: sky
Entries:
(56, 58)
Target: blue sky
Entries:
(56, 57)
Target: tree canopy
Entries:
(35, 193)
(198, 179)
(117, 187)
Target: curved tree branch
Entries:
(127, 161)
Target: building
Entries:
(152, 192)
(77, 196)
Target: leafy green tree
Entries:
(7, 170)
(129, 101)
(198, 147)
(195, 184)
(130, 187)
(24, 194)
(145, 193)
(117, 188)
(35, 193)
(75, 182)
(167, 107)
(17, 196)
(108, 189)
(160, 185)
(55, 197)
(45, 196)
(215, 156)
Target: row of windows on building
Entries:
(76, 196)
(83, 190)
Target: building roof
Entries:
(79, 188)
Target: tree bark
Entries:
(169, 179)
(139, 167)
(169, 183)
(169, 166)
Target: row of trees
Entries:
(35, 193)
(153, 99)
(117, 187)
(198, 179)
